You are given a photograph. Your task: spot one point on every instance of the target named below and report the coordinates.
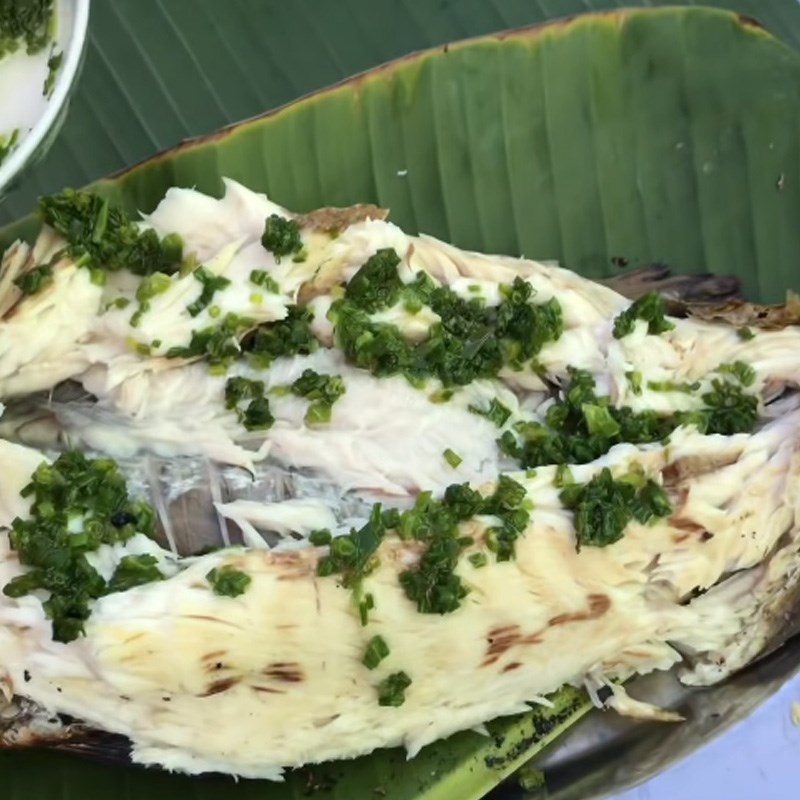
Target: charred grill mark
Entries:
(317, 603)
(691, 466)
(671, 475)
(293, 566)
(294, 575)
(220, 686)
(213, 656)
(690, 528)
(322, 722)
(685, 524)
(209, 618)
(497, 633)
(267, 690)
(499, 640)
(598, 605)
(617, 663)
(287, 671)
(290, 558)
(680, 497)
(697, 591)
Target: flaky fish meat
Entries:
(278, 675)
(314, 486)
(143, 357)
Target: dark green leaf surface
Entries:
(672, 141)
(670, 136)
(465, 766)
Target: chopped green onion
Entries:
(634, 381)
(496, 413)
(563, 476)
(320, 537)
(365, 605)
(93, 493)
(257, 415)
(376, 651)
(281, 236)
(392, 689)
(134, 571)
(34, 280)
(441, 396)
(120, 302)
(672, 386)
(604, 506)
(452, 458)
(478, 560)
(262, 278)
(325, 390)
(211, 285)
(740, 370)
(228, 581)
(649, 307)
(53, 66)
(102, 236)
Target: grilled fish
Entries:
(399, 489)
(138, 399)
(275, 677)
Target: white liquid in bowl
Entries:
(23, 104)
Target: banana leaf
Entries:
(622, 138)
(465, 766)
(660, 136)
(157, 72)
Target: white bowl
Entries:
(24, 106)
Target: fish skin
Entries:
(741, 313)
(682, 291)
(333, 219)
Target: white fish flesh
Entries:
(275, 677)
(278, 672)
(142, 401)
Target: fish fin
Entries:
(740, 313)
(331, 218)
(686, 289)
(96, 745)
(627, 706)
